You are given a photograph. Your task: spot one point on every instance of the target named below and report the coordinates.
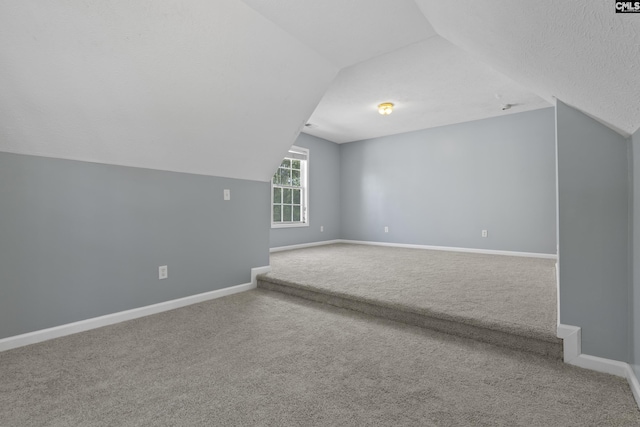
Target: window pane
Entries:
(286, 163)
(276, 178)
(296, 213)
(277, 195)
(277, 211)
(285, 176)
(295, 178)
(287, 195)
(295, 164)
(296, 197)
(286, 213)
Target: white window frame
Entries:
(295, 153)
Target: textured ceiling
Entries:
(206, 87)
(579, 51)
(223, 87)
(432, 83)
(347, 32)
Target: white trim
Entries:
(304, 203)
(256, 271)
(632, 379)
(289, 224)
(404, 245)
(600, 364)
(572, 341)
(612, 367)
(558, 295)
(304, 245)
(122, 316)
(573, 356)
(454, 249)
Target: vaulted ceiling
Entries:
(579, 51)
(224, 87)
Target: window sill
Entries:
(290, 225)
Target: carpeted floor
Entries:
(515, 295)
(267, 359)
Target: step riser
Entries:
(502, 339)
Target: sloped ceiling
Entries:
(223, 87)
(580, 51)
(206, 87)
(348, 32)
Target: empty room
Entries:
(319, 213)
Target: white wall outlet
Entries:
(386, 229)
(163, 272)
(485, 233)
(322, 228)
(227, 194)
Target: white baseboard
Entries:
(600, 364)
(304, 245)
(122, 316)
(572, 341)
(557, 271)
(256, 271)
(453, 249)
(613, 367)
(405, 245)
(632, 379)
(573, 356)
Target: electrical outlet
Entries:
(485, 233)
(163, 272)
(386, 229)
(227, 194)
(322, 228)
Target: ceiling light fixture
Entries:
(385, 108)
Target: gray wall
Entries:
(442, 186)
(593, 194)
(324, 191)
(80, 240)
(635, 290)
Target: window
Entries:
(289, 190)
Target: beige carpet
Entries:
(513, 295)
(267, 359)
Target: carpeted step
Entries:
(501, 335)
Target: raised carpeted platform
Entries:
(502, 300)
